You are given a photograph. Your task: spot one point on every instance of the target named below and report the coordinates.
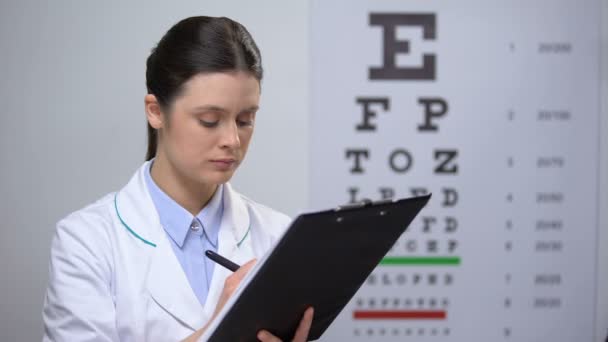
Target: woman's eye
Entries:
(244, 123)
(245, 119)
(208, 124)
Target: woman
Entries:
(131, 266)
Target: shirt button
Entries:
(194, 226)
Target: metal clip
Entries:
(363, 203)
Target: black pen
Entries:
(221, 260)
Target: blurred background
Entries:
(506, 126)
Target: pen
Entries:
(221, 260)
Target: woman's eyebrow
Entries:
(210, 108)
(251, 109)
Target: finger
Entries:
(243, 270)
(304, 326)
(265, 336)
(235, 278)
(231, 283)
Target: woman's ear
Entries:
(153, 112)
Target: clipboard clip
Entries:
(362, 204)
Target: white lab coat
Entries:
(121, 281)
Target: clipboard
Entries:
(321, 261)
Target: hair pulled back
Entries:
(192, 46)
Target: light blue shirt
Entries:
(190, 236)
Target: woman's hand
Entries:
(230, 285)
(301, 333)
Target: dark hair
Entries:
(197, 45)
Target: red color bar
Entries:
(376, 314)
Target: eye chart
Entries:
(493, 107)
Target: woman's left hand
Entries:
(301, 333)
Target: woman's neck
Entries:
(190, 195)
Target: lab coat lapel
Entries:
(165, 281)
(170, 288)
(234, 242)
(235, 226)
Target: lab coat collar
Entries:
(176, 220)
(235, 218)
(138, 212)
(166, 281)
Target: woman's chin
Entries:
(218, 177)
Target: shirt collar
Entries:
(176, 220)
(211, 215)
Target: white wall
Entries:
(602, 289)
(72, 124)
(71, 92)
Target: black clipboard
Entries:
(321, 261)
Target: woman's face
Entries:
(210, 126)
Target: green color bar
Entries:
(420, 261)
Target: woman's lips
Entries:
(224, 164)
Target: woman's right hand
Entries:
(230, 285)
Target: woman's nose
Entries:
(230, 136)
